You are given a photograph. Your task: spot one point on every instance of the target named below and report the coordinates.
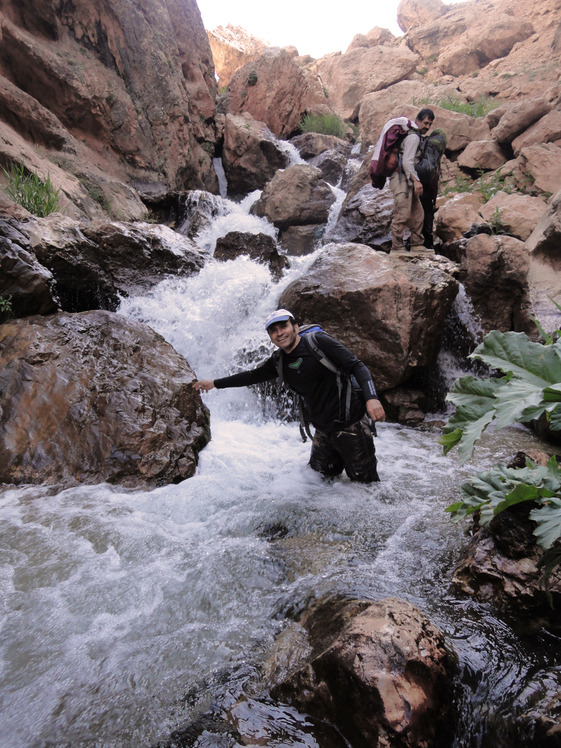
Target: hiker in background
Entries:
(321, 370)
(407, 188)
(427, 166)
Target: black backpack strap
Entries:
(311, 342)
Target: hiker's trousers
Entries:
(408, 212)
(351, 450)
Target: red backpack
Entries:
(385, 158)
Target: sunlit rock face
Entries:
(111, 100)
(232, 46)
(93, 397)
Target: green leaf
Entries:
(518, 400)
(554, 418)
(513, 351)
(548, 519)
(522, 492)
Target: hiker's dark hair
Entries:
(424, 114)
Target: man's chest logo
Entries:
(295, 364)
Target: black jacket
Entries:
(318, 386)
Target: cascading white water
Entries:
(128, 614)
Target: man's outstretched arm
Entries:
(204, 384)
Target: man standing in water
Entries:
(341, 414)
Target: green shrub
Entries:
(5, 308)
(326, 124)
(478, 108)
(29, 190)
(252, 78)
(530, 388)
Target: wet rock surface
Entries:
(260, 247)
(96, 263)
(378, 671)
(388, 309)
(93, 397)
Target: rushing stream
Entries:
(128, 615)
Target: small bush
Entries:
(325, 124)
(478, 108)
(5, 308)
(252, 78)
(30, 191)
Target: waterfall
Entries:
(128, 615)
(221, 175)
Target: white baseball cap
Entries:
(281, 315)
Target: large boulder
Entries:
(115, 91)
(251, 155)
(545, 130)
(297, 196)
(499, 263)
(538, 167)
(95, 264)
(378, 671)
(94, 397)
(351, 76)
(365, 217)
(515, 118)
(259, 247)
(482, 155)
(26, 285)
(456, 216)
(387, 309)
(413, 13)
(544, 276)
(232, 47)
(276, 90)
(482, 43)
(516, 213)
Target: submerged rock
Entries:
(378, 671)
(94, 397)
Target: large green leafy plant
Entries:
(530, 387)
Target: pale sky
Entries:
(313, 27)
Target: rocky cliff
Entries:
(115, 101)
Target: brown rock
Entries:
(301, 240)
(499, 263)
(545, 130)
(232, 47)
(482, 43)
(132, 86)
(351, 76)
(378, 672)
(413, 13)
(515, 118)
(457, 216)
(388, 309)
(94, 397)
(482, 154)
(545, 239)
(259, 247)
(365, 216)
(495, 568)
(539, 166)
(274, 89)
(517, 213)
(28, 285)
(251, 155)
(95, 264)
(296, 196)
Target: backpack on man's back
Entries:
(431, 150)
(385, 158)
